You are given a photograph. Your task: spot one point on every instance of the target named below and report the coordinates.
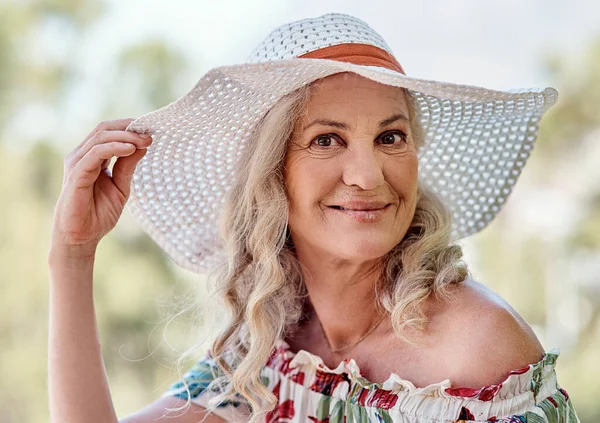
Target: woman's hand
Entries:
(92, 199)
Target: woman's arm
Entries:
(91, 201)
(78, 388)
(78, 385)
(156, 412)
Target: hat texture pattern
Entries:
(476, 143)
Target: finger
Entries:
(86, 171)
(110, 136)
(123, 170)
(108, 125)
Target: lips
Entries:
(360, 205)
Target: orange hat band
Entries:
(359, 54)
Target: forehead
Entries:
(349, 90)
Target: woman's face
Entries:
(351, 170)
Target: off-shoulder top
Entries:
(309, 391)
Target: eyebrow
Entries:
(346, 127)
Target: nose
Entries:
(363, 167)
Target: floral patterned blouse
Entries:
(309, 391)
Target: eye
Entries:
(326, 140)
(391, 138)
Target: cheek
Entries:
(308, 182)
(403, 176)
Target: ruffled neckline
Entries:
(518, 381)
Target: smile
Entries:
(366, 216)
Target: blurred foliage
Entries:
(577, 111)
(132, 274)
(538, 273)
(149, 73)
(27, 74)
(586, 235)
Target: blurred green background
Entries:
(542, 253)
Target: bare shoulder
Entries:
(484, 338)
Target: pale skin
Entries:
(348, 155)
(361, 160)
(341, 153)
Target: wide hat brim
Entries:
(476, 143)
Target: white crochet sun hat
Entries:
(477, 140)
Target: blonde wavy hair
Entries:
(261, 282)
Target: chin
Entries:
(359, 249)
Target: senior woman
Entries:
(321, 190)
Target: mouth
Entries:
(356, 209)
(362, 213)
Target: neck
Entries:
(342, 294)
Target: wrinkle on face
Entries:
(359, 166)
